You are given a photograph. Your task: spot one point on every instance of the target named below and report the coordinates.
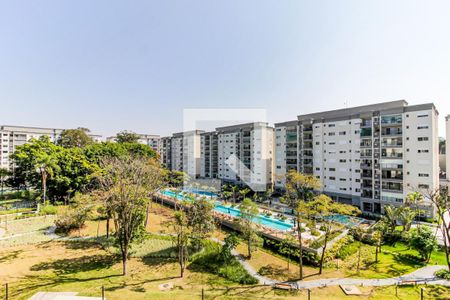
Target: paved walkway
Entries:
(424, 275)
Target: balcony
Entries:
(391, 131)
(391, 120)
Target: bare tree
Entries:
(125, 186)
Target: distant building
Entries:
(147, 139)
(447, 146)
(185, 152)
(13, 136)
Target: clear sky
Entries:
(113, 65)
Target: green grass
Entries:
(437, 257)
(27, 225)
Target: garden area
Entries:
(102, 221)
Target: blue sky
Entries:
(113, 65)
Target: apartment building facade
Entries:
(185, 152)
(368, 156)
(13, 136)
(209, 156)
(447, 146)
(245, 154)
(165, 152)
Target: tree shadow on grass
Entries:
(78, 264)
(10, 256)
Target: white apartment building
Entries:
(146, 139)
(13, 136)
(367, 156)
(447, 146)
(185, 152)
(245, 154)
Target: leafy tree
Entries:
(25, 161)
(127, 137)
(125, 184)
(441, 202)
(322, 206)
(182, 239)
(230, 243)
(414, 200)
(176, 178)
(424, 241)
(201, 220)
(4, 173)
(249, 229)
(285, 247)
(96, 152)
(299, 190)
(70, 138)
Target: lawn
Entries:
(83, 267)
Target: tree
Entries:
(182, 239)
(441, 202)
(234, 190)
(249, 229)
(424, 242)
(406, 216)
(200, 219)
(70, 138)
(243, 192)
(46, 165)
(413, 200)
(230, 243)
(285, 247)
(390, 217)
(323, 206)
(299, 190)
(125, 184)
(4, 173)
(127, 137)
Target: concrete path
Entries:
(424, 275)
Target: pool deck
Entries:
(228, 221)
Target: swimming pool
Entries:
(260, 219)
(345, 220)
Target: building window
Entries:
(331, 134)
(424, 175)
(424, 186)
(422, 116)
(422, 151)
(422, 127)
(422, 139)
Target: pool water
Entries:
(260, 219)
(346, 220)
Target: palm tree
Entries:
(406, 216)
(46, 165)
(390, 217)
(244, 192)
(235, 191)
(414, 199)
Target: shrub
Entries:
(315, 232)
(73, 218)
(443, 273)
(210, 260)
(48, 210)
